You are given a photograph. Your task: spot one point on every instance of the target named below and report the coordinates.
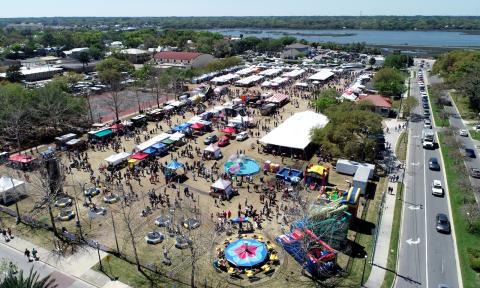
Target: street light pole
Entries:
(99, 258)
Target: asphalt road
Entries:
(466, 142)
(62, 280)
(426, 257)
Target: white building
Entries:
(184, 59)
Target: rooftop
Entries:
(377, 100)
(172, 55)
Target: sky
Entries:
(52, 8)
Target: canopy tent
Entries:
(197, 126)
(182, 127)
(116, 159)
(159, 146)
(152, 141)
(150, 151)
(139, 156)
(322, 75)
(174, 165)
(249, 80)
(177, 136)
(211, 148)
(300, 125)
(116, 127)
(22, 158)
(212, 151)
(271, 72)
(103, 133)
(11, 190)
(277, 98)
(223, 186)
(224, 79)
(168, 142)
(294, 73)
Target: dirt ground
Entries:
(201, 206)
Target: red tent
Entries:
(139, 156)
(116, 126)
(21, 158)
(197, 126)
(229, 130)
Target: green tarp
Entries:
(168, 142)
(103, 133)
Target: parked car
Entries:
(437, 189)
(470, 153)
(224, 141)
(463, 133)
(210, 139)
(242, 136)
(433, 164)
(443, 224)
(426, 112)
(427, 124)
(475, 172)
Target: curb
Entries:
(55, 268)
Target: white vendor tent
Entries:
(118, 158)
(222, 186)
(212, 151)
(294, 73)
(11, 190)
(322, 75)
(300, 125)
(152, 141)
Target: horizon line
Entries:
(241, 16)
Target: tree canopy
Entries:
(326, 99)
(398, 61)
(389, 82)
(346, 135)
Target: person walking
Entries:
(34, 254)
(27, 254)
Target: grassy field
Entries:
(436, 109)
(366, 241)
(401, 149)
(475, 135)
(465, 239)
(392, 257)
(127, 273)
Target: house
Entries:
(381, 105)
(295, 50)
(183, 59)
(136, 56)
(37, 73)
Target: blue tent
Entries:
(150, 151)
(181, 127)
(174, 165)
(159, 146)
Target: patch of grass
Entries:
(366, 241)
(463, 106)
(394, 238)
(401, 149)
(465, 240)
(127, 273)
(436, 109)
(475, 135)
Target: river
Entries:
(373, 37)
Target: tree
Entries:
(347, 133)
(398, 61)
(18, 280)
(14, 74)
(113, 79)
(372, 61)
(326, 99)
(84, 58)
(389, 81)
(408, 104)
(112, 63)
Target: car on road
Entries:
(433, 164)
(224, 141)
(475, 172)
(426, 112)
(470, 153)
(210, 139)
(427, 124)
(437, 189)
(463, 133)
(442, 223)
(241, 136)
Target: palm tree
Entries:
(31, 281)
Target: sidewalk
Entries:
(382, 248)
(76, 265)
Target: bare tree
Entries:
(113, 78)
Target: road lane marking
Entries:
(413, 242)
(415, 207)
(426, 225)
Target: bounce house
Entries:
(316, 177)
(309, 250)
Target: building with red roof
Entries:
(381, 105)
(183, 59)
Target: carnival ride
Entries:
(240, 165)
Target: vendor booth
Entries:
(11, 190)
(136, 159)
(212, 151)
(161, 148)
(100, 135)
(117, 161)
(171, 169)
(23, 162)
(222, 188)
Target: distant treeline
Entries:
(292, 22)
